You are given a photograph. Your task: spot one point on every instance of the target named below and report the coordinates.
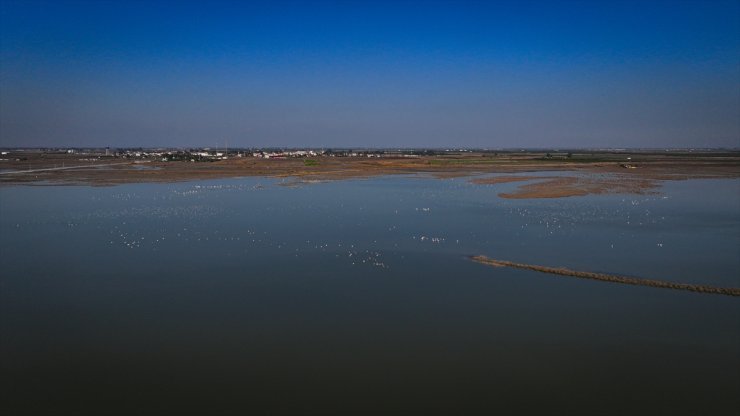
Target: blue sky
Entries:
(379, 74)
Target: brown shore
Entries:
(592, 173)
(559, 187)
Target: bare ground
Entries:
(597, 174)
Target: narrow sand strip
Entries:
(729, 291)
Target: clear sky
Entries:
(376, 74)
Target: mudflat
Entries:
(592, 172)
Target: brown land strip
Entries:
(596, 173)
(558, 187)
(729, 291)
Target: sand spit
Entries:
(559, 187)
(729, 291)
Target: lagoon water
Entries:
(357, 297)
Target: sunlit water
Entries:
(357, 297)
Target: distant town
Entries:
(207, 154)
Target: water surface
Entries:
(357, 297)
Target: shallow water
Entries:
(357, 297)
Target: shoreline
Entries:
(599, 174)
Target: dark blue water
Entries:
(357, 297)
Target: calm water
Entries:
(356, 297)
